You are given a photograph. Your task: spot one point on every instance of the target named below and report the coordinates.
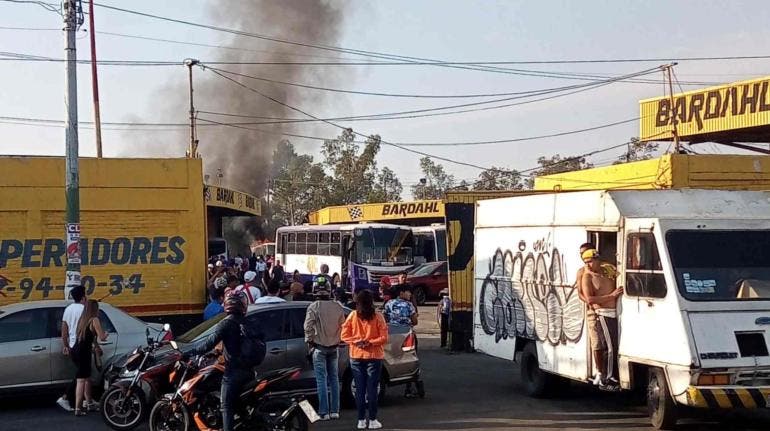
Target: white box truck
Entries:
(694, 321)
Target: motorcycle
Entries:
(195, 405)
(125, 403)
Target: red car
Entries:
(428, 280)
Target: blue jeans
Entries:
(327, 379)
(232, 383)
(366, 374)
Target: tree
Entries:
(499, 179)
(353, 174)
(387, 188)
(637, 151)
(436, 183)
(556, 165)
(298, 185)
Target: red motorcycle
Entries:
(196, 404)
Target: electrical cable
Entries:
(352, 131)
(580, 88)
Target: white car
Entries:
(31, 348)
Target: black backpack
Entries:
(253, 348)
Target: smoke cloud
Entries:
(243, 155)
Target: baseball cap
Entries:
(589, 254)
(249, 275)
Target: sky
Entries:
(461, 31)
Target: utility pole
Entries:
(193, 150)
(95, 81)
(673, 111)
(72, 180)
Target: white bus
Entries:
(264, 249)
(429, 243)
(360, 253)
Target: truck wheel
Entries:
(536, 382)
(660, 405)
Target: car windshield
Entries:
(721, 265)
(201, 330)
(424, 269)
(383, 246)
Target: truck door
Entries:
(645, 311)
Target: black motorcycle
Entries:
(196, 403)
(144, 374)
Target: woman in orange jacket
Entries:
(366, 332)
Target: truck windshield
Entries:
(383, 246)
(729, 265)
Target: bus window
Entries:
(441, 244)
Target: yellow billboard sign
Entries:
(378, 212)
(736, 112)
(232, 199)
(142, 237)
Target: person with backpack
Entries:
(322, 281)
(243, 350)
(323, 325)
(252, 292)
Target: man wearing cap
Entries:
(601, 295)
(252, 293)
(323, 327)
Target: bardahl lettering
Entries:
(35, 253)
(737, 100)
(226, 196)
(404, 209)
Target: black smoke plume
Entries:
(244, 156)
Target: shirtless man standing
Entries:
(601, 295)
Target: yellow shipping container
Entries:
(142, 232)
(671, 171)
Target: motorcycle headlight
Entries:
(125, 374)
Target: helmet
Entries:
(220, 282)
(235, 302)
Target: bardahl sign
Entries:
(412, 208)
(232, 199)
(731, 107)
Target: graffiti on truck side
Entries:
(525, 294)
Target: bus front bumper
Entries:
(728, 397)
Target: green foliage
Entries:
(436, 183)
(499, 179)
(637, 151)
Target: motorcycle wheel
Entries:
(168, 416)
(121, 412)
(296, 422)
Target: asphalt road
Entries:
(464, 392)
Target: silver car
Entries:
(282, 325)
(31, 348)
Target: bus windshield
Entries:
(383, 246)
(725, 265)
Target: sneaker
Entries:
(597, 379)
(324, 417)
(93, 406)
(361, 425)
(374, 424)
(63, 403)
(334, 415)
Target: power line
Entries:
(482, 66)
(429, 112)
(352, 131)
(413, 60)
